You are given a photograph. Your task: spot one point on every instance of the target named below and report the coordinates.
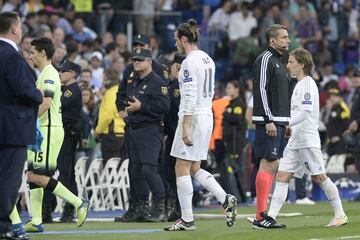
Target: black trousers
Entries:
(168, 170)
(11, 169)
(111, 146)
(66, 161)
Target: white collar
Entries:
(11, 42)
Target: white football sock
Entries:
(278, 198)
(208, 181)
(185, 194)
(332, 195)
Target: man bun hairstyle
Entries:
(190, 29)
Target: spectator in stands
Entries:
(345, 82)
(220, 19)
(107, 38)
(88, 119)
(31, 23)
(294, 8)
(245, 51)
(118, 64)
(81, 33)
(273, 16)
(323, 54)
(111, 52)
(10, 5)
(121, 41)
(97, 70)
(58, 37)
(25, 43)
(308, 30)
(110, 127)
(33, 6)
(85, 78)
(328, 74)
(73, 54)
(241, 22)
(155, 47)
(59, 56)
(145, 19)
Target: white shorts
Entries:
(300, 161)
(200, 133)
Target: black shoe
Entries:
(68, 214)
(157, 212)
(266, 223)
(67, 219)
(47, 218)
(172, 210)
(12, 236)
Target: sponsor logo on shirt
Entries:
(187, 80)
(307, 102)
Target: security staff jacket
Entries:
(171, 118)
(109, 120)
(271, 89)
(122, 95)
(234, 122)
(71, 104)
(152, 92)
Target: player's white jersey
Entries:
(197, 84)
(305, 97)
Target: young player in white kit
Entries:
(303, 151)
(192, 137)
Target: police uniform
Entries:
(168, 167)
(71, 105)
(145, 136)
(122, 96)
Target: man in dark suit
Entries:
(19, 99)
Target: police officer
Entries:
(170, 123)
(71, 107)
(121, 99)
(148, 103)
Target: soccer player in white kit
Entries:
(192, 137)
(303, 151)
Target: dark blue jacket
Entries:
(19, 98)
(152, 92)
(171, 118)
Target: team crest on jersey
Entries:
(186, 73)
(164, 90)
(176, 92)
(67, 93)
(307, 96)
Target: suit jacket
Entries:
(19, 98)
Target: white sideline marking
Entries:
(343, 237)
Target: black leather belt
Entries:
(144, 125)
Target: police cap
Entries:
(70, 66)
(140, 40)
(141, 53)
(178, 58)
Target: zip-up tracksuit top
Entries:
(270, 89)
